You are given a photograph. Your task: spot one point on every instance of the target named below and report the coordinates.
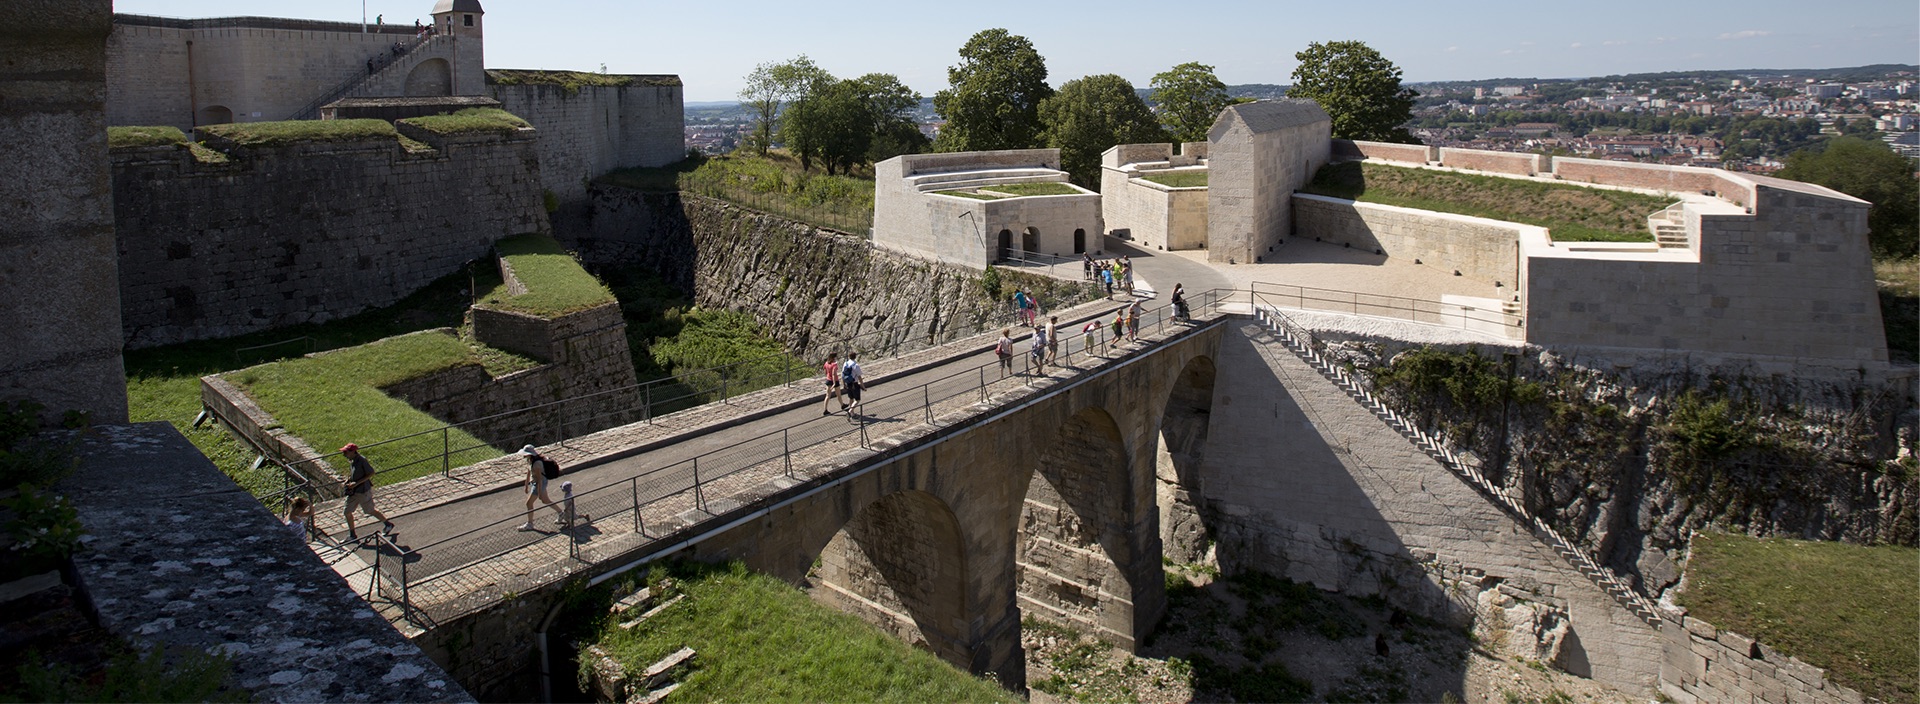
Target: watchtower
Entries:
(459, 22)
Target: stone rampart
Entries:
(307, 232)
(1385, 151)
(1260, 154)
(59, 303)
(1516, 163)
(971, 161)
(1478, 248)
(1705, 664)
(587, 131)
(1737, 189)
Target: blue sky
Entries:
(711, 44)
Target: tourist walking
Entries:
(539, 470)
(1020, 302)
(299, 516)
(1090, 335)
(1106, 278)
(1039, 350)
(1086, 265)
(1004, 349)
(1053, 340)
(1179, 300)
(1126, 273)
(1134, 311)
(853, 382)
(1119, 328)
(832, 371)
(360, 490)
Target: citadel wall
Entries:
(1149, 214)
(307, 232)
(58, 302)
(587, 131)
(1480, 249)
(1259, 154)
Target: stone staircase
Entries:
(1302, 344)
(1669, 227)
(387, 63)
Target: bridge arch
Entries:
(1074, 553)
(431, 78)
(1184, 419)
(900, 563)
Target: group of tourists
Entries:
(845, 381)
(541, 471)
(1026, 307)
(1110, 273)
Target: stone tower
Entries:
(461, 19)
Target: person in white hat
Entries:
(537, 476)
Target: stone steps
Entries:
(1298, 341)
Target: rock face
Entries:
(813, 289)
(1629, 459)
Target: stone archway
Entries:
(214, 115)
(1006, 244)
(1181, 450)
(1079, 241)
(432, 78)
(1075, 549)
(1030, 240)
(900, 564)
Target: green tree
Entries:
(771, 84)
(829, 123)
(1359, 89)
(1871, 171)
(891, 106)
(993, 101)
(1190, 97)
(1089, 115)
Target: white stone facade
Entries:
(1153, 215)
(1259, 154)
(916, 213)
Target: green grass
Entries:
(1570, 213)
(555, 283)
(144, 136)
(761, 640)
(1045, 188)
(1179, 179)
(163, 383)
(670, 338)
(334, 398)
(573, 81)
(970, 194)
(1848, 608)
(294, 131)
(773, 184)
(1899, 282)
(470, 121)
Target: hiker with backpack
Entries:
(853, 381)
(539, 471)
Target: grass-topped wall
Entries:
(540, 278)
(260, 134)
(1570, 213)
(470, 121)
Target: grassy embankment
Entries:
(759, 639)
(1899, 283)
(470, 121)
(1179, 179)
(1570, 213)
(1847, 608)
(772, 184)
(1044, 188)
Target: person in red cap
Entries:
(360, 490)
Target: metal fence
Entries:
(649, 505)
(1417, 310)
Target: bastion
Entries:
(964, 208)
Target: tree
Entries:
(845, 123)
(771, 84)
(1871, 171)
(891, 105)
(995, 94)
(1089, 115)
(1190, 97)
(1359, 89)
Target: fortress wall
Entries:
(1793, 281)
(1498, 162)
(1121, 154)
(1655, 176)
(1053, 218)
(1153, 217)
(273, 71)
(587, 132)
(1480, 249)
(308, 232)
(968, 161)
(1385, 151)
(1706, 664)
(59, 304)
(1260, 154)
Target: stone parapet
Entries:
(1385, 151)
(1515, 163)
(1704, 664)
(1478, 248)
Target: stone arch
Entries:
(1079, 241)
(900, 564)
(433, 77)
(1184, 420)
(1006, 243)
(215, 115)
(1030, 239)
(1075, 548)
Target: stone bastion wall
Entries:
(586, 131)
(308, 231)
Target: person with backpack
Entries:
(1004, 350)
(1039, 350)
(851, 381)
(539, 471)
(1179, 300)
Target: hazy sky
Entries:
(711, 44)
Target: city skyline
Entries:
(711, 49)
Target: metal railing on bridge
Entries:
(650, 505)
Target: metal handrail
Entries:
(347, 86)
(664, 483)
(1418, 310)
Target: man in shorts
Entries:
(537, 488)
(852, 381)
(360, 490)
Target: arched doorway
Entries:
(433, 77)
(900, 564)
(1006, 245)
(1030, 240)
(1075, 540)
(1177, 461)
(1079, 241)
(214, 115)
